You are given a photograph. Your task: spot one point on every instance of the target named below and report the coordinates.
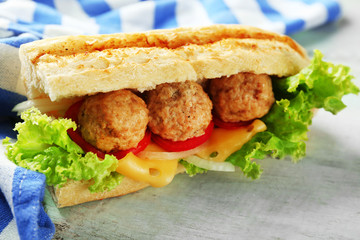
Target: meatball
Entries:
(241, 97)
(113, 121)
(179, 111)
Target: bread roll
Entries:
(72, 66)
(76, 192)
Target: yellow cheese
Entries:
(157, 173)
(153, 147)
(224, 142)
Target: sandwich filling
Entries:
(179, 115)
(256, 116)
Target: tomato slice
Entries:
(140, 147)
(87, 147)
(229, 125)
(72, 113)
(179, 146)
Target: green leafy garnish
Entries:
(43, 145)
(320, 85)
(191, 169)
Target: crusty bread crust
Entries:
(76, 192)
(70, 66)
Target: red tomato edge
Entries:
(179, 146)
(229, 125)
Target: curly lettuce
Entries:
(43, 145)
(191, 169)
(320, 85)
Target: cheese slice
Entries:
(157, 173)
(224, 142)
(160, 172)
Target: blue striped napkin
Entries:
(21, 213)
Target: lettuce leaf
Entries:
(191, 169)
(43, 145)
(320, 85)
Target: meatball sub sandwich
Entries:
(111, 114)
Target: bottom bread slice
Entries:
(77, 192)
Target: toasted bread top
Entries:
(72, 66)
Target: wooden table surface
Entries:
(317, 198)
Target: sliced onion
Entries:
(44, 105)
(170, 155)
(211, 165)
